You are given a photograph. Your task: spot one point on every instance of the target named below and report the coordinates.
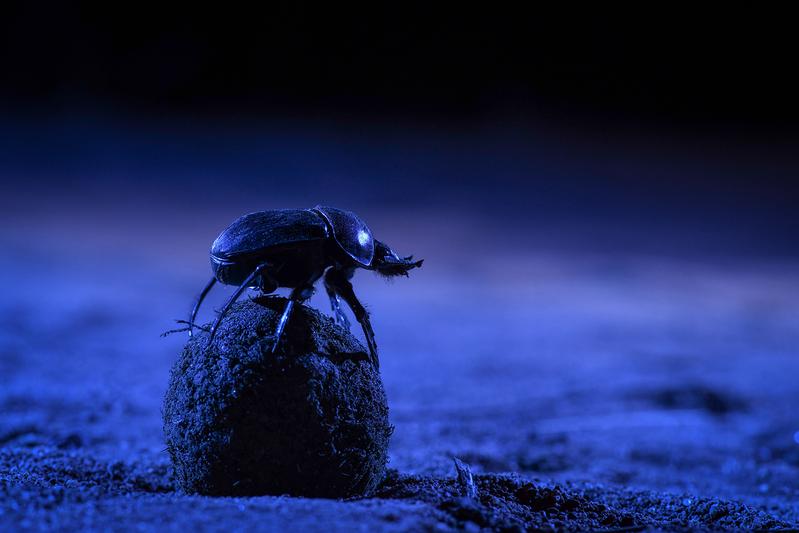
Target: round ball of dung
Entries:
(310, 419)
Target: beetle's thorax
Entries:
(349, 232)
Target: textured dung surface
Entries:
(310, 420)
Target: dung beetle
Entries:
(293, 248)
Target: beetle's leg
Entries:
(247, 282)
(335, 304)
(281, 324)
(199, 302)
(339, 280)
(300, 294)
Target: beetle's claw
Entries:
(375, 361)
(341, 319)
(188, 327)
(370, 341)
(273, 340)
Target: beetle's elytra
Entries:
(293, 248)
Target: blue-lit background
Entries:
(609, 295)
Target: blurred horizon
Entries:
(548, 186)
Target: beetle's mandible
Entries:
(293, 248)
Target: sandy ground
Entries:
(640, 392)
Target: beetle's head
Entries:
(387, 263)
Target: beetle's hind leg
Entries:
(199, 302)
(246, 283)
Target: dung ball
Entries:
(310, 419)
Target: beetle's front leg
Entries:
(339, 280)
(298, 295)
(338, 314)
(246, 283)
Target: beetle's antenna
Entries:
(246, 283)
(194, 311)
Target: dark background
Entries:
(676, 66)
